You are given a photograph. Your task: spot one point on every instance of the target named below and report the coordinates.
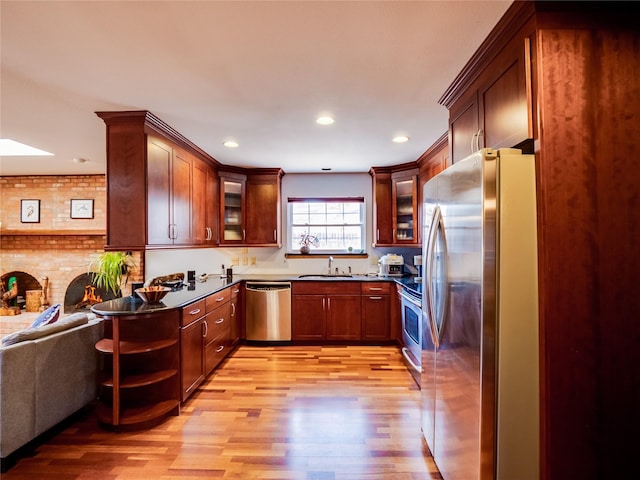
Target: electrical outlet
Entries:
(252, 261)
(235, 261)
(244, 250)
(244, 260)
(374, 260)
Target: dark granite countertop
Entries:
(186, 295)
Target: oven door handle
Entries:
(411, 300)
(407, 357)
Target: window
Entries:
(333, 225)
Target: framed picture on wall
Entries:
(81, 208)
(30, 211)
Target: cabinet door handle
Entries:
(195, 311)
(473, 138)
(233, 309)
(480, 134)
(219, 321)
(205, 326)
(323, 308)
(375, 298)
(243, 234)
(328, 304)
(378, 234)
(207, 235)
(275, 235)
(220, 348)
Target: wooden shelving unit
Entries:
(140, 382)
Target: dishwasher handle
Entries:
(268, 286)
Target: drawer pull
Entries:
(219, 321)
(220, 348)
(220, 299)
(377, 289)
(195, 311)
(375, 298)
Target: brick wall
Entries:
(58, 253)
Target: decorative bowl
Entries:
(152, 294)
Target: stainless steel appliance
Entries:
(268, 311)
(391, 265)
(412, 330)
(480, 381)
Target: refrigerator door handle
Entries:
(437, 311)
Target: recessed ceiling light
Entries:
(326, 169)
(80, 160)
(400, 139)
(231, 144)
(11, 148)
(325, 120)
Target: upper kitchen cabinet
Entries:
(232, 208)
(494, 110)
(250, 207)
(395, 193)
(157, 185)
(169, 192)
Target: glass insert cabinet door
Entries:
(405, 210)
(233, 221)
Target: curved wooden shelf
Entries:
(137, 415)
(128, 347)
(141, 379)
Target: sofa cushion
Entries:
(65, 323)
(50, 315)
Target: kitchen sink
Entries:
(325, 275)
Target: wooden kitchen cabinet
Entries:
(191, 347)
(395, 209)
(250, 208)
(169, 191)
(156, 188)
(218, 329)
(264, 208)
(205, 204)
(232, 208)
(140, 381)
(376, 311)
(495, 111)
(325, 310)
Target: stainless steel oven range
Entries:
(411, 303)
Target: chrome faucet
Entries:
(330, 262)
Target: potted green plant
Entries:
(109, 269)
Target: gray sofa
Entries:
(49, 374)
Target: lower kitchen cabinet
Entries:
(191, 352)
(207, 335)
(376, 311)
(325, 310)
(140, 381)
(217, 340)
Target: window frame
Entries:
(293, 245)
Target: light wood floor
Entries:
(311, 413)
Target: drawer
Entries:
(217, 349)
(216, 299)
(326, 287)
(192, 312)
(376, 288)
(216, 321)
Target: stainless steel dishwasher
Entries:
(268, 311)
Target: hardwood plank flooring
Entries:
(286, 412)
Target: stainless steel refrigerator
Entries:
(480, 382)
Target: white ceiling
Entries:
(258, 72)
